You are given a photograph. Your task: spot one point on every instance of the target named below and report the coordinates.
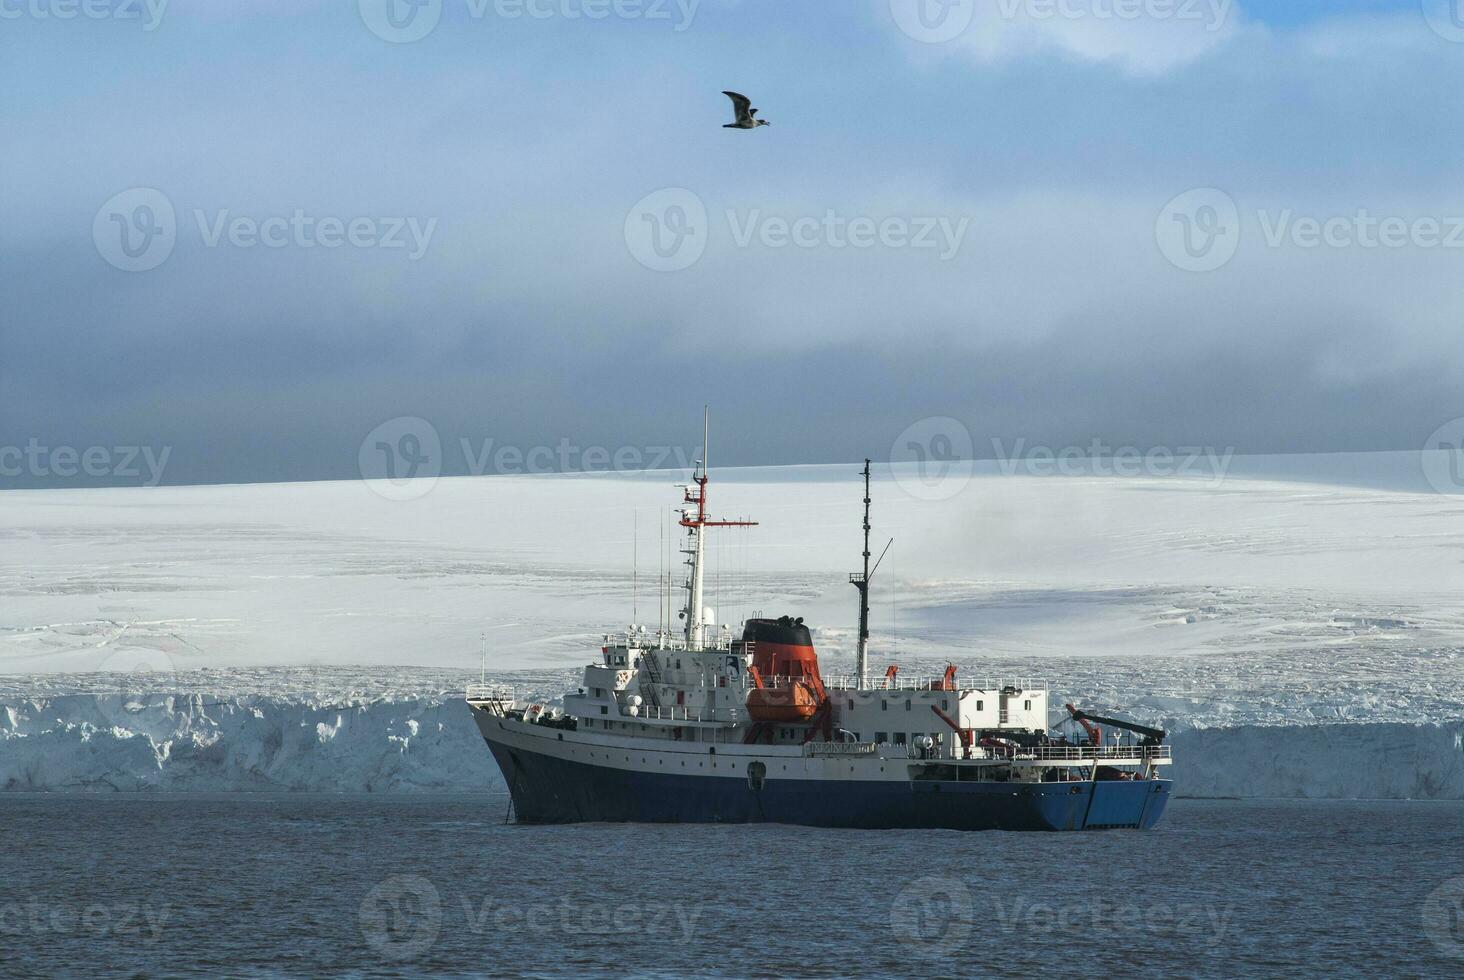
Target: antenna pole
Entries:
(634, 565)
(696, 522)
(860, 580)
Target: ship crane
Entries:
(1151, 736)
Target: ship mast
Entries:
(696, 526)
(860, 581)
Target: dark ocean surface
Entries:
(312, 885)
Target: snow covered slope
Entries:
(305, 636)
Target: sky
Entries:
(260, 240)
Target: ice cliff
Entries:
(198, 742)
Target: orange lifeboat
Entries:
(785, 671)
(795, 703)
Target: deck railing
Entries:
(669, 712)
(932, 682)
(1096, 753)
(715, 639)
(488, 692)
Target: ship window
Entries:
(945, 704)
(980, 705)
(851, 704)
(881, 737)
(899, 738)
(1026, 705)
(604, 710)
(907, 704)
(884, 705)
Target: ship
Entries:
(705, 723)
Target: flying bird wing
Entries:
(741, 105)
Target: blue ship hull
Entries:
(546, 789)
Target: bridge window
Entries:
(899, 738)
(604, 709)
(881, 737)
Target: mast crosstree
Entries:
(696, 524)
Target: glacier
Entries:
(404, 742)
(1297, 622)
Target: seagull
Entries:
(746, 114)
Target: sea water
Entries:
(315, 885)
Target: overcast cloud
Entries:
(465, 228)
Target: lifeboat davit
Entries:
(790, 689)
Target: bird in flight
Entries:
(746, 114)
